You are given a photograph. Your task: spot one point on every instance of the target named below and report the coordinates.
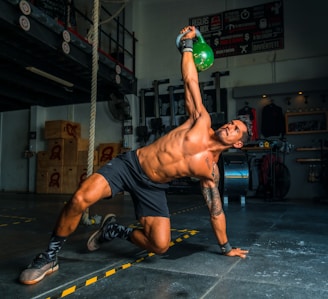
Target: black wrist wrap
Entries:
(225, 248)
(186, 45)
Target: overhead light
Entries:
(300, 93)
(49, 76)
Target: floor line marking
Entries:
(68, 291)
(188, 209)
(15, 218)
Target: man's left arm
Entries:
(212, 197)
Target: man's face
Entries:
(231, 133)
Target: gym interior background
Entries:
(45, 94)
(147, 54)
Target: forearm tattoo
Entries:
(213, 200)
(216, 176)
(212, 194)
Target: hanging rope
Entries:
(86, 217)
(93, 38)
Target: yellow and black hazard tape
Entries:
(16, 220)
(185, 235)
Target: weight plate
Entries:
(25, 7)
(118, 79)
(118, 69)
(66, 48)
(24, 23)
(66, 36)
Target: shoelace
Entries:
(40, 261)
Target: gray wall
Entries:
(14, 141)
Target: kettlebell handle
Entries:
(198, 34)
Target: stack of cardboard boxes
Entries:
(63, 166)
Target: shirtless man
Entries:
(192, 149)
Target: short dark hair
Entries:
(246, 137)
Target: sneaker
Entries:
(96, 239)
(41, 266)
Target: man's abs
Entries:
(160, 166)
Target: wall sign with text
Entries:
(243, 31)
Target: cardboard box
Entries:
(70, 152)
(56, 152)
(42, 181)
(82, 158)
(95, 168)
(69, 184)
(42, 158)
(96, 159)
(62, 152)
(55, 179)
(72, 147)
(81, 174)
(108, 151)
(82, 144)
(62, 129)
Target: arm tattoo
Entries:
(212, 194)
(213, 200)
(215, 171)
(215, 175)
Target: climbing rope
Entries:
(93, 38)
(86, 216)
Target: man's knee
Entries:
(79, 201)
(160, 246)
(157, 232)
(160, 241)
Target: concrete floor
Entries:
(288, 245)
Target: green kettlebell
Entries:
(202, 52)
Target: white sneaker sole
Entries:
(91, 245)
(36, 280)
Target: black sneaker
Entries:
(96, 238)
(41, 266)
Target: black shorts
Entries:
(124, 173)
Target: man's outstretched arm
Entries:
(212, 197)
(193, 99)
